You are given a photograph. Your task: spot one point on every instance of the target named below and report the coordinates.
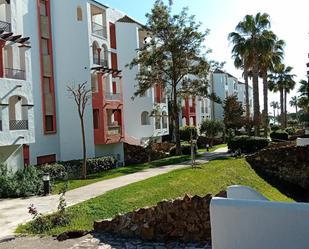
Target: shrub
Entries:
(279, 135)
(290, 130)
(56, 171)
(247, 144)
(186, 131)
(202, 141)
(275, 127)
(185, 150)
(25, 182)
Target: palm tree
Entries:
(282, 80)
(275, 106)
(304, 88)
(271, 55)
(294, 103)
(251, 30)
(240, 54)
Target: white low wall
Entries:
(244, 193)
(302, 141)
(256, 224)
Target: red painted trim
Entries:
(2, 44)
(112, 33)
(50, 49)
(114, 61)
(46, 159)
(26, 153)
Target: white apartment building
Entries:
(145, 117)
(16, 85)
(223, 85)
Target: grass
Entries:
(208, 178)
(77, 183)
(213, 148)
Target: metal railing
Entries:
(5, 26)
(101, 62)
(99, 30)
(15, 73)
(114, 130)
(19, 125)
(112, 96)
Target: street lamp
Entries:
(46, 183)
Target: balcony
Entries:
(112, 96)
(101, 62)
(15, 73)
(113, 130)
(99, 30)
(19, 125)
(5, 26)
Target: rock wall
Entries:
(185, 220)
(288, 163)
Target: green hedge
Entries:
(279, 135)
(185, 150)
(73, 168)
(186, 131)
(247, 144)
(25, 182)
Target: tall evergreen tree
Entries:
(173, 58)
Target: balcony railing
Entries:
(113, 130)
(101, 62)
(99, 30)
(18, 125)
(112, 96)
(5, 26)
(15, 73)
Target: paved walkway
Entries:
(14, 211)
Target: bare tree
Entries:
(81, 96)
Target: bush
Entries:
(202, 141)
(290, 130)
(25, 182)
(275, 127)
(279, 135)
(247, 144)
(185, 150)
(56, 171)
(186, 131)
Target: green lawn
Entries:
(76, 183)
(213, 148)
(208, 178)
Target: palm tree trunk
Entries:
(285, 109)
(247, 100)
(281, 109)
(265, 92)
(256, 104)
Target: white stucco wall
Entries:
(12, 157)
(245, 223)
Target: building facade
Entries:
(16, 86)
(145, 117)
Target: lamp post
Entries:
(46, 183)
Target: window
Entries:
(46, 83)
(43, 11)
(145, 118)
(157, 120)
(164, 120)
(46, 159)
(96, 115)
(94, 82)
(79, 13)
(49, 123)
(44, 43)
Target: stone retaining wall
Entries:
(185, 220)
(288, 163)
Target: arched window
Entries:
(164, 120)
(95, 53)
(105, 55)
(145, 118)
(157, 120)
(79, 13)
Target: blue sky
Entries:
(290, 21)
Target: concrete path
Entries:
(15, 211)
